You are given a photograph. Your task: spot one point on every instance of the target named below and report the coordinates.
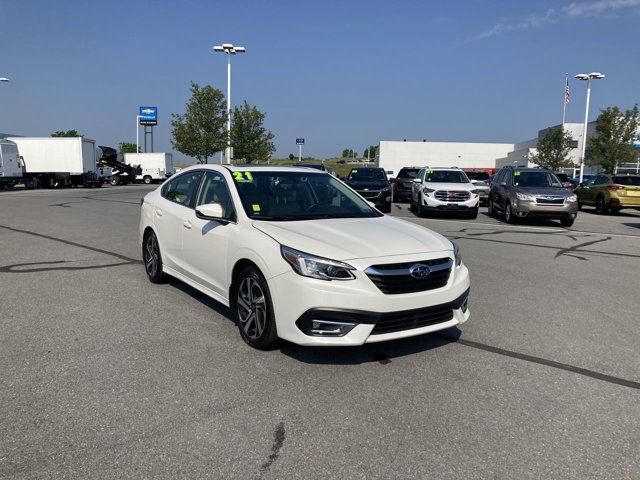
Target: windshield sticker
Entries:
(256, 208)
(516, 173)
(242, 176)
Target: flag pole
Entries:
(564, 100)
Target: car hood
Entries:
(449, 186)
(544, 191)
(352, 238)
(372, 185)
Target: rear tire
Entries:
(491, 209)
(601, 207)
(153, 259)
(147, 180)
(253, 310)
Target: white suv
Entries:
(444, 189)
(297, 254)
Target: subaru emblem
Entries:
(419, 271)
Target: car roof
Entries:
(367, 168)
(249, 168)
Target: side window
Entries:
(182, 189)
(214, 190)
(600, 180)
(497, 180)
(590, 181)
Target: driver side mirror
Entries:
(210, 211)
(417, 180)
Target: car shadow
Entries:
(534, 222)
(382, 353)
(632, 225)
(214, 305)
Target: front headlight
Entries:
(474, 191)
(571, 199)
(316, 267)
(427, 190)
(456, 253)
(526, 197)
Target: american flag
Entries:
(567, 93)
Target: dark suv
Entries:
(531, 192)
(403, 183)
(372, 184)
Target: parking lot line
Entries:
(520, 227)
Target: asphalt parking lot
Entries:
(105, 375)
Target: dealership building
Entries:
(393, 155)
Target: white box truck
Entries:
(10, 164)
(58, 161)
(156, 167)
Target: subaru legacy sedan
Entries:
(298, 255)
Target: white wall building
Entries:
(393, 155)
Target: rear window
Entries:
(408, 173)
(635, 181)
(478, 175)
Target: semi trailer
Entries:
(10, 164)
(58, 161)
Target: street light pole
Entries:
(137, 133)
(587, 77)
(229, 49)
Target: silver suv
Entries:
(531, 192)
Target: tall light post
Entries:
(587, 77)
(228, 49)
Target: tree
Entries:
(66, 133)
(127, 147)
(345, 153)
(370, 152)
(553, 150)
(200, 132)
(291, 156)
(614, 143)
(250, 140)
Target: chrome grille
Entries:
(396, 278)
(550, 200)
(452, 195)
(370, 193)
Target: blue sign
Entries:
(148, 115)
(299, 141)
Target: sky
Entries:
(339, 74)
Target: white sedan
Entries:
(298, 255)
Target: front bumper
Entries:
(532, 209)
(297, 299)
(430, 202)
(377, 197)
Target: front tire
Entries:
(153, 259)
(253, 310)
(567, 222)
(473, 214)
(508, 214)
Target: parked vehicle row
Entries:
(610, 193)
(297, 254)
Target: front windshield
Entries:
(536, 179)
(446, 176)
(367, 174)
(408, 173)
(272, 195)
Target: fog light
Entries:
(330, 328)
(388, 198)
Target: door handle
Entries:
(187, 224)
(158, 212)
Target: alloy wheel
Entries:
(152, 255)
(252, 308)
